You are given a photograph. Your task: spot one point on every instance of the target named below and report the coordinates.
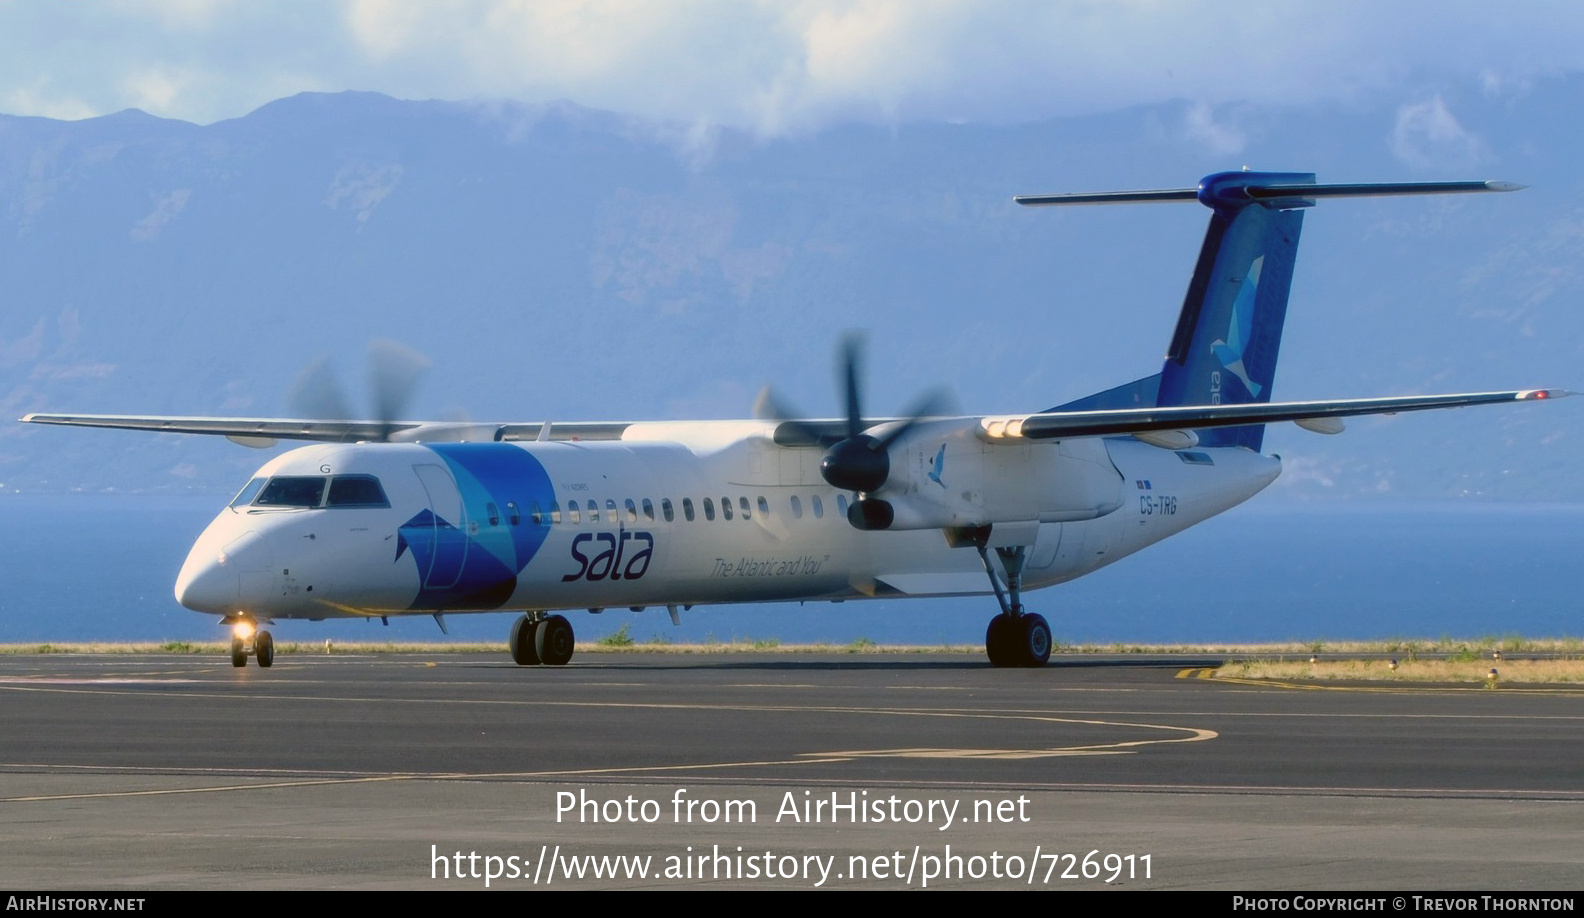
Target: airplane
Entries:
(390, 517)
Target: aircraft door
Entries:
(448, 533)
(1044, 550)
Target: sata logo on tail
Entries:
(1229, 350)
(613, 562)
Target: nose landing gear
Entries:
(248, 641)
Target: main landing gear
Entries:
(248, 641)
(538, 638)
(1016, 637)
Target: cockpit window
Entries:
(356, 491)
(292, 491)
(246, 495)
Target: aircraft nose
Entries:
(205, 585)
(211, 580)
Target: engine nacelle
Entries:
(942, 475)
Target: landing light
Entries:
(243, 630)
(1002, 428)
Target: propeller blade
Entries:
(394, 371)
(932, 404)
(317, 394)
(769, 407)
(851, 357)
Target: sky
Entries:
(1351, 90)
(784, 67)
(1439, 76)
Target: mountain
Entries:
(557, 262)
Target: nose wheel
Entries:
(247, 641)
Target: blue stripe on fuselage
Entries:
(487, 557)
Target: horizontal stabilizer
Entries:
(1159, 196)
(1377, 189)
(1270, 193)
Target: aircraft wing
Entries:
(263, 432)
(259, 428)
(1054, 425)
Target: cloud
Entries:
(1219, 138)
(1426, 136)
(770, 66)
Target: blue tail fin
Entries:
(1229, 331)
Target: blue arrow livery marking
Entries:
(473, 563)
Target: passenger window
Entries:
(743, 503)
(841, 505)
(687, 508)
(764, 507)
(292, 491)
(572, 513)
(632, 512)
(819, 508)
(610, 510)
(593, 512)
(534, 516)
(648, 509)
(726, 511)
(555, 512)
(667, 510)
(512, 516)
(797, 508)
(709, 509)
(493, 512)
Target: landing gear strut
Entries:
(537, 638)
(248, 641)
(1015, 637)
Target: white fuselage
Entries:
(681, 514)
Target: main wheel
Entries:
(1035, 646)
(238, 652)
(554, 641)
(264, 647)
(999, 640)
(522, 643)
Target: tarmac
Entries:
(463, 771)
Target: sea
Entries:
(99, 568)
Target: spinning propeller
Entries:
(393, 374)
(861, 461)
